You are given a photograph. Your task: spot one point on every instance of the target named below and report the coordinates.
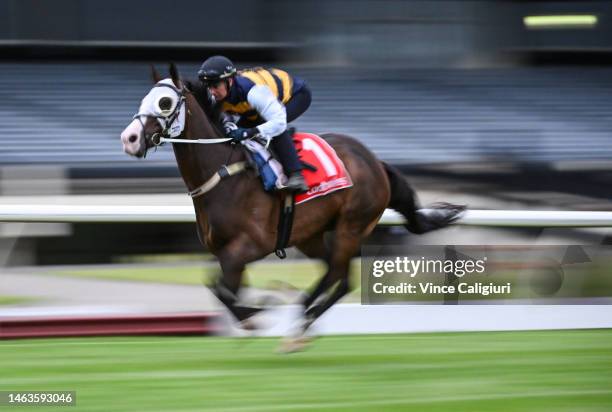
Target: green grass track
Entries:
(493, 371)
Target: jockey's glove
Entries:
(241, 134)
(228, 126)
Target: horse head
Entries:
(161, 114)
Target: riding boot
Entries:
(285, 149)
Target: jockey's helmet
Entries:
(216, 68)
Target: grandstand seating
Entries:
(73, 113)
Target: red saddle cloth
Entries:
(331, 175)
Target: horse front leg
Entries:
(233, 260)
(229, 297)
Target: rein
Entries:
(195, 141)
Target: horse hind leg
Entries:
(316, 248)
(346, 243)
(349, 233)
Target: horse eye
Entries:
(165, 104)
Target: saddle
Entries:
(323, 171)
(266, 163)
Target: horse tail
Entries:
(404, 200)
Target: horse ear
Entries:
(174, 74)
(155, 75)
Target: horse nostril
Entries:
(132, 138)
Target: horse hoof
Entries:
(293, 345)
(248, 324)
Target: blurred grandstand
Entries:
(72, 113)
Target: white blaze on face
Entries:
(131, 137)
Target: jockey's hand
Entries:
(228, 127)
(241, 134)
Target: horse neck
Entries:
(198, 162)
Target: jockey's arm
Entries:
(262, 99)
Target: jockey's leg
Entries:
(295, 107)
(298, 104)
(284, 147)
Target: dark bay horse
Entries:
(237, 220)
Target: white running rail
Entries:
(131, 213)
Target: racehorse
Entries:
(237, 220)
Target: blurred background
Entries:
(499, 104)
(495, 104)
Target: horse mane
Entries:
(212, 111)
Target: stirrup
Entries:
(299, 185)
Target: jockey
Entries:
(265, 101)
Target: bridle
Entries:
(157, 139)
(168, 120)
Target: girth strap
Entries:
(223, 172)
(285, 224)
